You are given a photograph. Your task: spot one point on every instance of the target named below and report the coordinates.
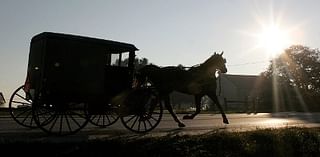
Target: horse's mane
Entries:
(153, 65)
(210, 60)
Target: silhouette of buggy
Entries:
(72, 80)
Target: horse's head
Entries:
(216, 61)
(221, 63)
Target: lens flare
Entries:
(273, 40)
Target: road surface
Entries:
(203, 123)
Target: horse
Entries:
(198, 80)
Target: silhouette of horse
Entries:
(198, 81)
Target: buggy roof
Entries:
(114, 45)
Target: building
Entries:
(239, 92)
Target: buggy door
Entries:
(118, 73)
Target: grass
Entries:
(300, 142)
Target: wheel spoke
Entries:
(153, 118)
(68, 123)
(149, 122)
(27, 117)
(103, 119)
(20, 102)
(139, 122)
(134, 122)
(22, 97)
(21, 113)
(144, 124)
(46, 115)
(53, 122)
(99, 118)
(108, 119)
(130, 118)
(113, 117)
(75, 121)
(61, 122)
(32, 122)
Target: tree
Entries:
(298, 66)
(295, 77)
(138, 63)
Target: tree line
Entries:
(292, 81)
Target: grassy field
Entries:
(300, 142)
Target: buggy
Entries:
(74, 80)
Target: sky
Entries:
(166, 32)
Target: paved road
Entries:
(10, 130)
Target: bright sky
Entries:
(167, 32)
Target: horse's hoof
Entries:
(225, 121)
(181, 125)
(187, 117)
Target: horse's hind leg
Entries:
(170, 109)
(216, 101)
(197, 99)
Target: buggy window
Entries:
(118, 59)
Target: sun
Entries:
(273, 40)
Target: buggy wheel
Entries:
(20, 108)
(147, 120)
(109, 117)
(61, 119)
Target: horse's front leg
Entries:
(197, 99)
(170, 109)
(216, 101)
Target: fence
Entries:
(246, 105)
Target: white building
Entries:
(239, 92)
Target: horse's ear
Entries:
(214, 53)
(221, 53)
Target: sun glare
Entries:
(273, 40)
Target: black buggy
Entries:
(72, 80)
